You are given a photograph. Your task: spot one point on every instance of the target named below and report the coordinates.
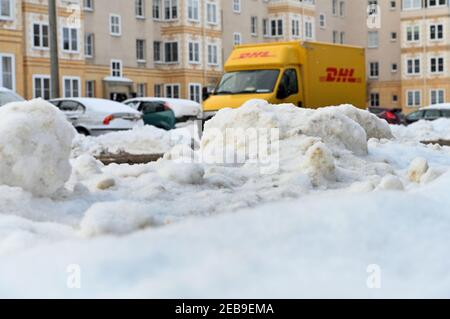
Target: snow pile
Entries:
(139, 140)
(35, 146)
(119, 217)
(424, 131)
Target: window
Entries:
(89, 45)
(140, 50)
(412, 4)
(40, 36)
(265, 26)
(41, 87)
(413, 66)
(71, 87)
(88, 5)
(289, 82)
(156, 9)
(393, 36)
(296, 28)
(170, 9)
(342, 37)
(276, 27)
(413, 33)
(115, 26)
(374, 99)
(139, 8)
(90, 88)
(342, 8)
(194, 92)
(436, 32)
(437, 65)
(141, 89)
(413, 98)
(6, 9)
(335, 36)
(172, 91)
(334, 5)
(211, 13)
(308, 30)
(171, 52)
(7, 71)
(237, 39)
(437, 96)
(254, 25)
(157, 51)
(212, 54)
(374, 70)
(394, 67)
(116, 68)
(70, 39)
(437, 3)
(193, 10)
(158, 90)
(322, 21)
(393, 5)
(194, 52)
(373, 39)
(394, 98)
(237, 6)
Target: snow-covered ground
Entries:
(344, 200)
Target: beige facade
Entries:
(177, 47)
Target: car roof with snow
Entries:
(441, 106)
(165, 99)
(100, 105)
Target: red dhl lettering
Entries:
(341, 75)
(256, 54)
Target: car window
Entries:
(290, 81)
(70, 106)
(445, 113)
(133, 104)
(151, 107)
(415, 116)
(432, 114)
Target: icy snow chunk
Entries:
(431, 175)
(391, 182)
(117, 218)
(182, 173)
(417, 169)
(35, 146)
(374, 127)
(106, 183)
(319, 164)
(85, 166)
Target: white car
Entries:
(92, 116)
(184, 110)
(7, 96)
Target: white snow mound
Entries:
(35, 146)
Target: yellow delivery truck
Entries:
(307, 74)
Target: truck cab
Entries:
(306, 74)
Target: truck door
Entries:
(288, 89)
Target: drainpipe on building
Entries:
(54, 59)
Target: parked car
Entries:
(7, 96)
(392, 116)
(92, 116)
(184, 110)
(429, 113)
(158, 114)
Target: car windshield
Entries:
(241, 82)
(7, 97)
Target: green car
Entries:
(156, 113)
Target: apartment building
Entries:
(175, 48)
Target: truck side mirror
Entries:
(282, 91)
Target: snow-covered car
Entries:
(429, 113)
(92, 116)
(7, 96)
(184, 110)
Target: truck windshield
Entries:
(241, 82)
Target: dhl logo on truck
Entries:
(256, 54)
(342, 75)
